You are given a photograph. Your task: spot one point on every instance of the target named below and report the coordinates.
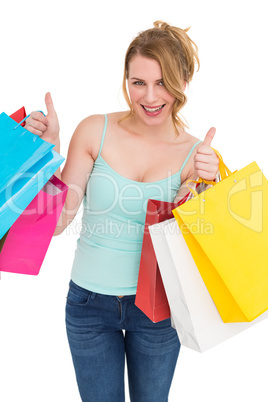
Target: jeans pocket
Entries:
(77, 296)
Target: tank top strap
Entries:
(103, 133)
(189, 154)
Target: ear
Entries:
(184, 85)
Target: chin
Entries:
(160, 119)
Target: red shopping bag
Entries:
(151, 296)
(19, 115)
(27, 241)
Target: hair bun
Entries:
(161, 25)
(175, 32)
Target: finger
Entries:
(204, 150)
(209, 136)
(201, 166)
(34, 130)
(49, 104)
(38, 125)
(203, 174)
(38, 116)
(201, 157)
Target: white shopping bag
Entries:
(194, 314)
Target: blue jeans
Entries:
(95, 325)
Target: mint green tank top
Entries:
(108, 250)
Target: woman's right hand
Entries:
(47, 127)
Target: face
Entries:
(150, 99)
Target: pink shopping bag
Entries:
(27, 241)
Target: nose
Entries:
(150, 95)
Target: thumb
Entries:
(49, 104)
(209, 136)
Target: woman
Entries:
(115, 164)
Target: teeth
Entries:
(151, 110)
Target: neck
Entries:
(165, 131)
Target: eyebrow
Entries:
(141, 79)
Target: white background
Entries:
(76, 51)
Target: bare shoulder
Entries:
(116, 117)
(89, 131)
(88, 134)
(188, 139)
(92, 121)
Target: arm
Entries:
(75, 173)
(79, 161)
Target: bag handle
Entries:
(223, 169)
(25, 119)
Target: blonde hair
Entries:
(177, 55)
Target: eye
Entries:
(161, 83)
(138, 83)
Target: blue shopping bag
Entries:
(19, 150)
(26, 163)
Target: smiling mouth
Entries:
(152, 109)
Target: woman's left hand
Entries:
(206, 162)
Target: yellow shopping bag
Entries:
(226, 230)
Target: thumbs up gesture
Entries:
(47, 126)
(206, 162)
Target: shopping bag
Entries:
(193, 312)
(2, 241)
(26, 164)
(28, 239)
(19, 150)
(226, 230)
(19, 116)
(150, 296)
